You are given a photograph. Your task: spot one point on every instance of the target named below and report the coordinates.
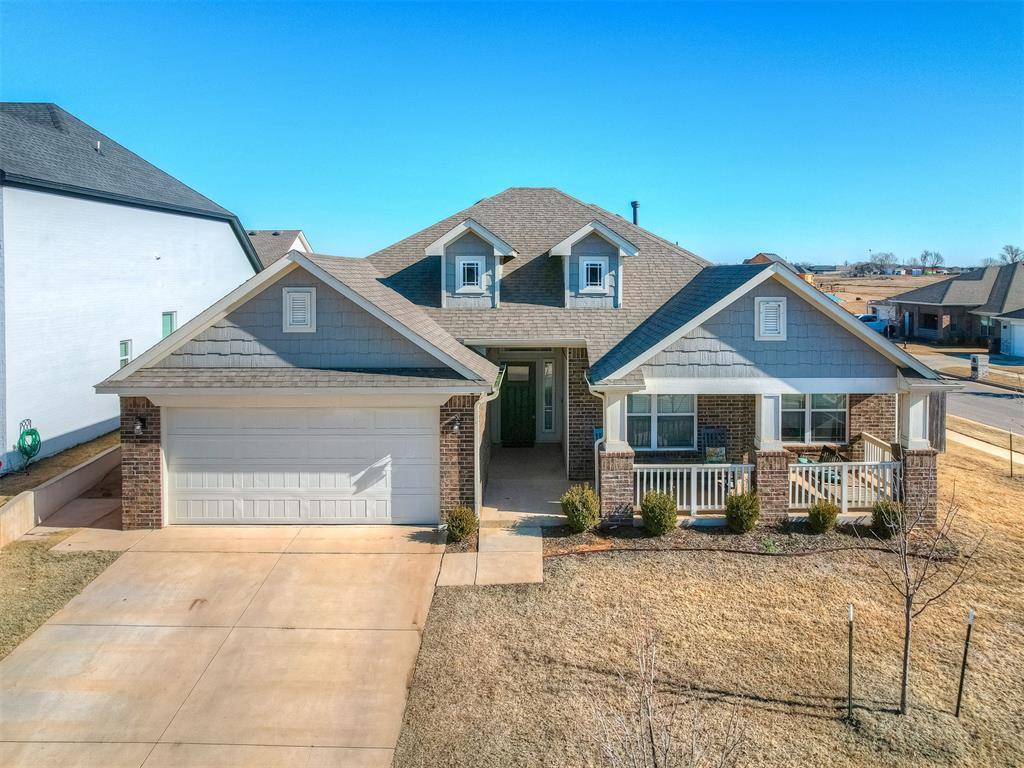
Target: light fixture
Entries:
(456, 424)
(140, 424)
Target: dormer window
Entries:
(593, 275)
(470, 273)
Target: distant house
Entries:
(820, 269)
(965, 308)
(272, 244)
(102, 255)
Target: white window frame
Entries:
(174, 323)
(600, 261)
(123, 360)
(287, 325)
(759, 304)
(808, 411)
(654, 414)
(462, 287)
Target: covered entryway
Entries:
(301, 465)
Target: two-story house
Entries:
(331, 390)
(101, 255)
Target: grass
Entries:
(46, 469)
(35, 583)
(506, 675)
(995, 376)
(985, 433)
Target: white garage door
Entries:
(301, 465)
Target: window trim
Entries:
(759, 334)
(469, 288)
(653, 414)
(124, 359)
(174, 323)
(808, 410)
(545, 409)
(600, 261)
(286, 325)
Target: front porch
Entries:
(524, 487)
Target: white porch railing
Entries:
(847, 484)
(875, 449)
(695, 487)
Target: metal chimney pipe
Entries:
(636, 211)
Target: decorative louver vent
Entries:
(299, 309)
(771, 319)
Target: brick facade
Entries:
(772, 483)
(141, 465)
(736, 413)
(585, 413)
(616, 486)
(874, 414)
(920, 483)
(456, 452)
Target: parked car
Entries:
(874, 322)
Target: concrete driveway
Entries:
(229, 646)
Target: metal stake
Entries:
(963, 665)
(849, 673)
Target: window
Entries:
(661, 422)
(823, 422)
(548, 397)
(771, 319)
(470, 276)
(929, 322)
(169, 321)
(593, 275)
(125, 352)
(986, 326)
(299, 310)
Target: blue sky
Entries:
(819, 131)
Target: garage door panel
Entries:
(302, 465)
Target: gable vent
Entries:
(771, 319)
(299, 310)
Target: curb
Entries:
(1007, 387)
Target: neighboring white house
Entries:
(101, 255)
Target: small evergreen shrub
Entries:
(462, 523)
(821, 517)
(886, 518)
(658, 511)
(742, 511)
(581, 507)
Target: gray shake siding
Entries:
(469, 245)
(591, 245)
(724, 347)
(346, 337)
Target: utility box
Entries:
(979, 367)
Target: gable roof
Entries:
(709, 293)
(358, 281)
(273, 244)
(989, 290)
(46, 147)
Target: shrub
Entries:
(886, 518)
(658, 511)
(581, 507)
(821, 517)
(461, 523)
(742, 511)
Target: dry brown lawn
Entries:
(36, 583)
(985, 433)
(997, 377)
(45, 469)
(507, 675)
(857, 291)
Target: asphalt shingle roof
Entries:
(274, 378)
(44, 144)
(272, 244)
(989, 290)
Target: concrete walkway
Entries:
(228, 646)
(507, 555)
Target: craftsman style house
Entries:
(101, 255)
(330, 390)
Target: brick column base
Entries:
(772, 483)
(616, 486)
(141, 465)
(457, 459)
(920, 483)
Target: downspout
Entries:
(478, 486)
(600, 441)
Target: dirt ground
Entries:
(857, 291)
(508, 676)
(35, 583)
(45, 469)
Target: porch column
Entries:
(919, 475)
(913, 408)
(768, 423)
(615, 422)
(771, 480)
(615, 463)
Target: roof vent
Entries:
(98, 145)
(275, 234)
(636, 211)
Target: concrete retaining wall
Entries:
(30, 508)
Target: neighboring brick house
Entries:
(330, 390)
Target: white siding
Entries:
(79, 276)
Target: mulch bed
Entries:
(468, 544)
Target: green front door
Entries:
(518, 405)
